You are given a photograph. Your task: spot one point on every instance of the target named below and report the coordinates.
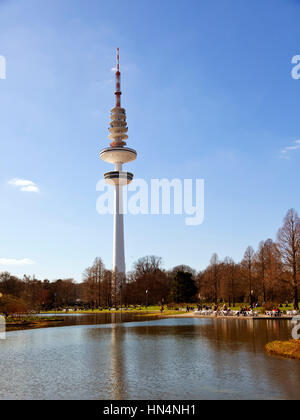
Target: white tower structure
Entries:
(118, 155)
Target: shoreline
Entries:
(32, 324)
(260, 317)
(45, 323)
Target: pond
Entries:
(108, 357)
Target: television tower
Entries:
(118, 154)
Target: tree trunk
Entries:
(295, 290)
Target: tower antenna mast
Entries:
(118, 92)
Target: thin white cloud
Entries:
(285, 153)
(13, 261)
(114, 69)
(24, 185)
(20, 182)
(31, 188)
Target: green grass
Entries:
(142, 309)
(156, 309)
(104, 311)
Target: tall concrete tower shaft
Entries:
(117, 154)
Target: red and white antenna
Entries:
(118, 59)
(118, 92)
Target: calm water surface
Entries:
(155, 359)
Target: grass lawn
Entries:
(156, 309)
(289, 349)
(141, 310)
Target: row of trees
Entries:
(269, 274)
(36, 294)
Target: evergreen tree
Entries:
(184, 288)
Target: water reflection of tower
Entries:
(117, 369)
(118, 154)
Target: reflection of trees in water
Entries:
(243, 338)
(232, 332)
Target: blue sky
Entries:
(208, 90)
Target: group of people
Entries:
(276, 311)
(204, 308)
(225, 309)
(215, 308)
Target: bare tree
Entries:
(260, 265)
(106, 288)
(93, 277)
(289, 246)
(273, 272)
(215, 276)
(248, 264)
(229, 270)
(98, 270)
(148, 283)
(148, 264)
